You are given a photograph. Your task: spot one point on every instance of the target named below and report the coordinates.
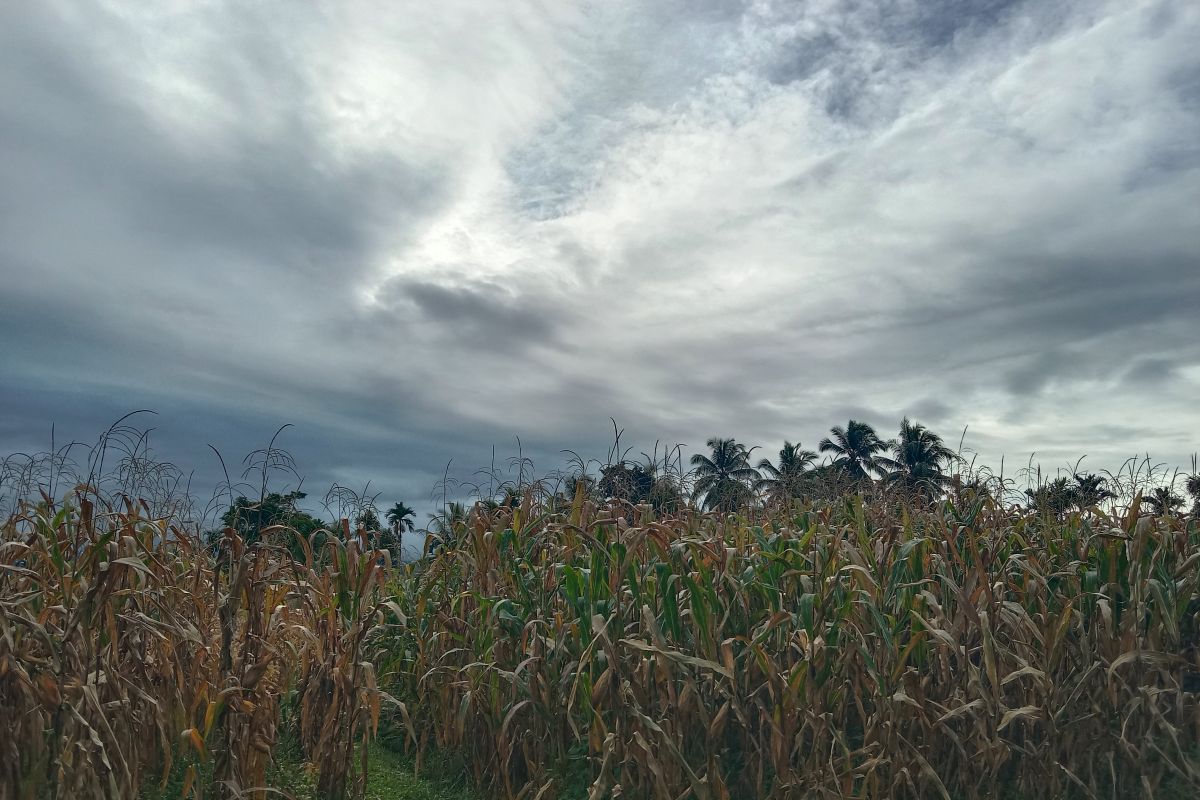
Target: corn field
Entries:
(960, 651)
(870, 649)
(128, 650)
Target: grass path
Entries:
(390, 777)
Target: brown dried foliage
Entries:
(124, 645)
(967, 651)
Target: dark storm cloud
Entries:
(482, 312)
(725, 218)
(137, 257)
(1113, 306)
(930, 410)
(1150, 371)
(1043, 370)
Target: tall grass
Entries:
(125, 646)
(962, 649)
(567, 647)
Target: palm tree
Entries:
(443, 528)
(856, 449)
(399, 518)
(1061, 495)
(971, 488)
(785, 481)
(1193, 488)
(725, 478)
(399, 521)
(508, 495)
(1163, 500)
(919, 457)
(1055, 497)
(1089, 491)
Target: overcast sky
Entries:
(420, 230)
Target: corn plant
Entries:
(843, 650)
(124, 647)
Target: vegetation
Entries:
(1062, 495)
(920, 460)
(887, 624)
(857, 450)
(276, 513)
(128, 648)
(846, 650)
(725, 479)
(400, 518)
(790, 479)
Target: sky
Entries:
(421, 232)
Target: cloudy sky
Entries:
(421, 230)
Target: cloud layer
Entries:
(418, 232)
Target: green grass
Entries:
(389, 777)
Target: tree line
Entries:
(915, 465)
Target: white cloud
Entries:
(697, 218)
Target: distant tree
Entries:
(971, 488)
(1055, 497)
(640, 484)
(250, 518)
(725, 478)
(666, 495)
(856, 449)
(1163, 500)
(1193, 488)
(368, 520)
(445, 526)
(829, 482)
(508, 495)
(627, 481)
(1089, 491)
(920, 456)
(399, 519)
(786, 480)
(1082, 492)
